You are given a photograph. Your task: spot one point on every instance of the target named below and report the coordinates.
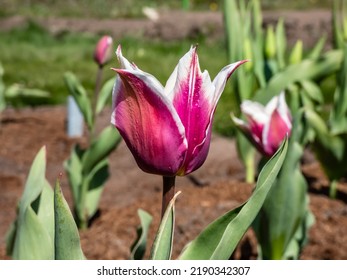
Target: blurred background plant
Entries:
(87, 167)
(17, 94)
(269, 55)
(330, 143)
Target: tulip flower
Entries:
(267, 126)
(167, 129)
(103, 50)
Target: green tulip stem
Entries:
(168, 192)
(250, 172)
(95, 98)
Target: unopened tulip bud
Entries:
(270, 43)
(267, 126)
(296, 54)
(103, 51)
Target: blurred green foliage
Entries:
(129, 8)
(34, 58)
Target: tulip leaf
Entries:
(138, 248)
(32, 241)
(308, 69)
(101, 147)
(162, 245)
(104, 95)
(31, 236)
(338, 117)
(286, 206)
(316, 51)
(220, 238)
(296, 53)
(17, 90)
(281, 44)
(67, 241)
(330, 149)
(35, 181)
(81, 97)
(46, 210)
(73, 167)
(96, 182)
(313, 91)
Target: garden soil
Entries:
(215, 188)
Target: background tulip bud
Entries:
(103, 50)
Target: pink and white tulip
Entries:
(267, 126)
(167, 129)
(103, 50)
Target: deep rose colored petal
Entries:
(245, 128)
(167, 130)
(103, 50)
(200, 152)
(267, 125)
(191, 95)
(148, 123)
(195, 98)
(274, 133)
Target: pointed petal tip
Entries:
(119, 51)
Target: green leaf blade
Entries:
(221, 237)
(162, 245)
(138, 248)
(67, 241)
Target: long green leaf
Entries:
(285, 207)
(221, 237)
(281, 44)
(67, 241)
(96, 183)
(17, 90)
(338, 116)
(35, 181)
(316, 51)
(162, 245)
(32, 240)
(31, 236)
(46, 209)
(73, 167)
(107, 141)
(138, 249)
(308, 69)
(104, 95)
(81, 97)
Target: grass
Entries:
(33, 57)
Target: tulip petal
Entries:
(222, 77)
(256, 116)
(103, 50)
(191, 93)
(219, 84)
(246, 130)
(147, 121)
(274, 133)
